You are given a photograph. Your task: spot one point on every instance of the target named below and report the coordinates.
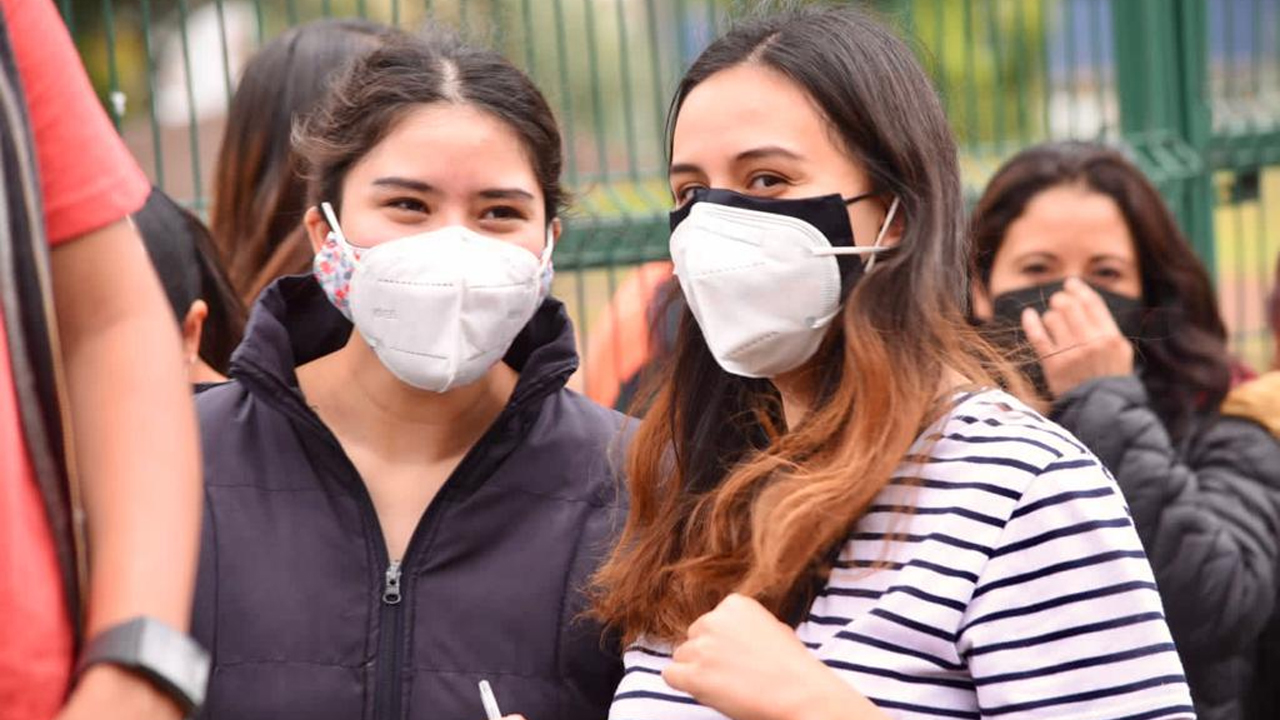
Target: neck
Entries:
(359, 399)
(796, 389)
(201, 372)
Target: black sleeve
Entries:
(1209, 519)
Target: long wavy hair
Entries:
(1187, 369)
(724, 496)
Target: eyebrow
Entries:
(1113, 258)
(506, 194)
(766, 151)
(405, 184)
(422, 187)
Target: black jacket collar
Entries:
(293, 323)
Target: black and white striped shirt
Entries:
(1015, 587)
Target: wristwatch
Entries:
(170, 659)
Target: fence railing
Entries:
(1190, 87)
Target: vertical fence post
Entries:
(1161, 75)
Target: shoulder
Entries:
(213, 400)
(582, 444)
(991, 427)
(1239, 443)
(1257, 400)
(575, 417)
(1004, 454)
(243, 438)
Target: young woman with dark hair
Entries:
(1081, 269)
(834, 513)
(259, 195)
(403, 498)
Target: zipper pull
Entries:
(391, 587)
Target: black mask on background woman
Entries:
(1005, 327)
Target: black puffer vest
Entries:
(297, 600)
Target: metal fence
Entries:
(1190, 87)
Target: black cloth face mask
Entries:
(827, 213)
(1129, 313)
(1005, 327)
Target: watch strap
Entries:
(170, 659)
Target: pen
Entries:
(491, 710)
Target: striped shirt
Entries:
(1011, 585)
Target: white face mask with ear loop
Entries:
(763, 286)
(438, 308)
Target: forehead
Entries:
(744, 107)
(1070, 221)
(448, 144)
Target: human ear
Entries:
(897, 224)
(317, 228)
(193, 330)
(557, 228)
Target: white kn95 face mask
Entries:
(438, 308)
(761, 276)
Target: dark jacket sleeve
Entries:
(1208, 518)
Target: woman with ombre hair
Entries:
(834, 512)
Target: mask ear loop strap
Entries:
(884, 229)
(332, 219)
(548, 247)
(875, 248)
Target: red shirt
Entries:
(88, 180)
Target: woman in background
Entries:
(1076, 252)
(259, 196)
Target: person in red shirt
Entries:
(131, 428)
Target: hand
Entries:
(738, 659)
(1077, 339)
(107, 692)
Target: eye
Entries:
(766, 181)
(407, 204)
(1035, 269)
(503, 213)
(1108, 274)
(684, 194)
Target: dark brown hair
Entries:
(1187, 367)
(379, 89)
(259, 198)
(726, 498)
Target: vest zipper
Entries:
(389, 645)
(391, 635)
(391, 588)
